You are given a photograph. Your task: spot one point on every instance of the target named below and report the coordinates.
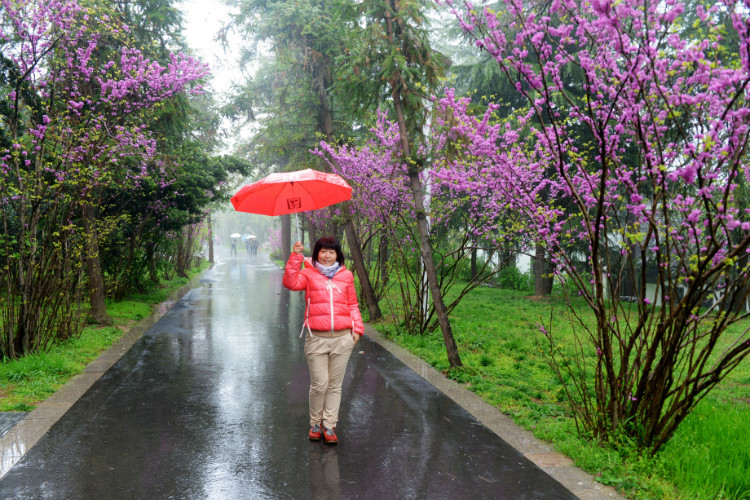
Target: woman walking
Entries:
(333, 325)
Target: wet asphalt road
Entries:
(211, 403)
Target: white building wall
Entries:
(523, 263)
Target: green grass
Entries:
(504, 362)
(28, 381)
(714, 441)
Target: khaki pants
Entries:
(327, 357)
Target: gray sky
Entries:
(203, 19)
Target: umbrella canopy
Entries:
(289, 192)
(235, 235)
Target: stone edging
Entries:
(542, 454)
(19, 440)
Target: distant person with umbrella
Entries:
(333, 325)
(234, 237)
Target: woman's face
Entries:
(327, 256)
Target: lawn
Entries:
(502, 350)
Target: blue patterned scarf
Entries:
(328, 271)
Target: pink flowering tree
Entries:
(640, 109)
(381, 205)
(76, 95)
(274, 240)
(471, 199)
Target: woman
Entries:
(333, 326)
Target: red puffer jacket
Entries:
(331, 303)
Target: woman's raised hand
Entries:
(297, 248)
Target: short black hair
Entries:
(330, 243)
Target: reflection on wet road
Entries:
(212, 404)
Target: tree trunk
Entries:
(313, 237)
(151, 257)
(426, 250)
(359, 265)
(19, 332)
(629, 285)
(182, 257)
(542, 279)
(322, 80)
(383, 256)
(739, 297)
(286, 237)
(474, 262)
(93, 269)
(210, 240)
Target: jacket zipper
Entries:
(330, 299)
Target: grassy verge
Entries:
(28, 381)
(505, 364)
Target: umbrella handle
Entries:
(296, 217)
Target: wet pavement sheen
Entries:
(211, 403)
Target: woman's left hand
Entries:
(356, 337)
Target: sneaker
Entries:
(314, 433)
(329, 435)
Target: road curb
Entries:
(541, 453)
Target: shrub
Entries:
(511, 278)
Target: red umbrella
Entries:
(289, 192)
